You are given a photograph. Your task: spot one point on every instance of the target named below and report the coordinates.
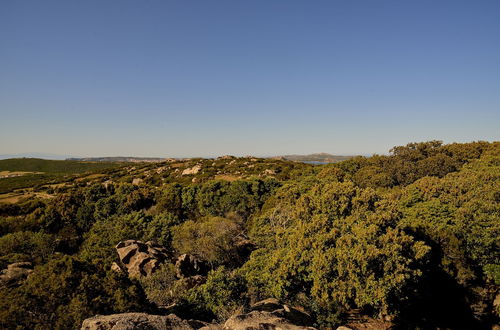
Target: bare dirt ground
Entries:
(15, 197)
(8, 174)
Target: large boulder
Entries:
(270, 314)
(188, 265)
(140, 258)
(191, 171)
(139, 321)
(267, 305)
(15, 273)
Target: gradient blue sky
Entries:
(203, 78)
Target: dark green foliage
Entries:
(63, 292)
(412, 162)
(52, 166)
(340, 246)
(162, 287)
(212, 238)
(222, 294)
(25, 181)
(99, 243)
(25, 246)
(48, 171)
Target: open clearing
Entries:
(7, 174)
(15, 197)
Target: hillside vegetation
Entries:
(50, 166)
(410, 239)
(43, 171)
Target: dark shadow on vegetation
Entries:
(438, 300)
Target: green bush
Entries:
(25, 246)
(222, 294)
(63, 292)
(211, 238)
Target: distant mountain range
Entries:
(39, 155)
(120, 159)
(319, 158)
(312, 158)
(316, 158)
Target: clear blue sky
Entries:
(203, 78)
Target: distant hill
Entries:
(119, 159)
(35, 155)
(16, 173)
(316, 158)
(49, 166)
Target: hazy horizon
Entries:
(185, 79)
(43, 155)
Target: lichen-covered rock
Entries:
(15, 273)
(141, 258)
(139, 321)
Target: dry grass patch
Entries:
(227, 177)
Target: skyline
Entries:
(179, 79)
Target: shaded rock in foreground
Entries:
(140, 321)
(270, 314)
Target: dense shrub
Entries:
(212, 238)
(61, 293)
(25, 246)
(100, 241)
(222, 294)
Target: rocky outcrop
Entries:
(15, 274)
(226, 157)
(191, 171)
(139, 321)
(267, 314)
(267, 305)
(140, 258)
(137, 181)
(270, 314)
(188, 265)
(269, 172)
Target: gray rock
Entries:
(139, 321)
(260, 320)
(267, 305)
(269, 314)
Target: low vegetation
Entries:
(411, 237)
